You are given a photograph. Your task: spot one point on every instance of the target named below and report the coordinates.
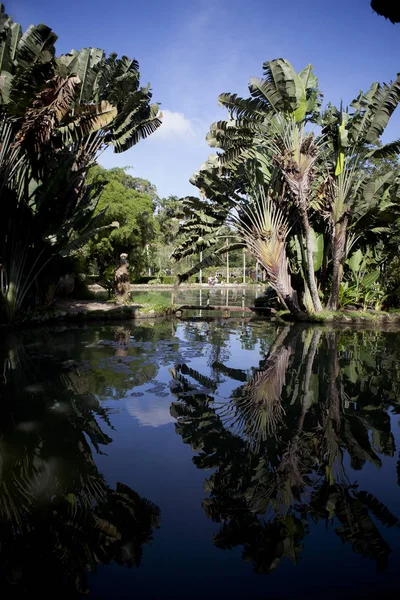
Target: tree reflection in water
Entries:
(59, 518)
(277, 446)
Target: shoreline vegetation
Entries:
(153, 306)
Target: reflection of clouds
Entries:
(152, 412)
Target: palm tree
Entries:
(266, 150)
(56, 116)
(322, 182)
(354, 140)
(264, 229)
(270, 128)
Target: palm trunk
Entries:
(283, 286)
(306, 391)
(292, 302)
(333, 378)
(338, 249)
(11, 301)
(309, 267)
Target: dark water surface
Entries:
(199, 460)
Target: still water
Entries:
(188, 460)
(217, 295)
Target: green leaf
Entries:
(317, 241)
(36, 46)
(371, 278)
(283, 88)
(87, 120)
(84, 237)
(373, 111)
(85, 64)
(355, 261)
(351, 373)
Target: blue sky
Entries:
(192, 50)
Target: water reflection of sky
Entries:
(151, 456)
(159, 466)
(150, 410)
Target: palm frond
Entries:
(264, 229)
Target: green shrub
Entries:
(168, 279)
(152, 299)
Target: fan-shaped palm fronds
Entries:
(259, 409)
(264, 228)
(56, 115)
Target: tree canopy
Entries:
(123, 203)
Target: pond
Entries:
(236, 459)
(216, 295)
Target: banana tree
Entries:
(323, 181)
(354, 140)
(269, 128)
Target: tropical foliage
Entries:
(300, 186)
(133, 210)
(56, 115)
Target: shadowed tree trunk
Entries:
(333, 377)
(309, 267)
(338, 251)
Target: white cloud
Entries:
(174, 126)
(154, 413)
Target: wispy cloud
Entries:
(154, 413)
(174, 126)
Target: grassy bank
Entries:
(87, 310)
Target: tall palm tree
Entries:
(264, 228)
(322, 180)
(269, 127)
(353, 140)
(56, 116)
